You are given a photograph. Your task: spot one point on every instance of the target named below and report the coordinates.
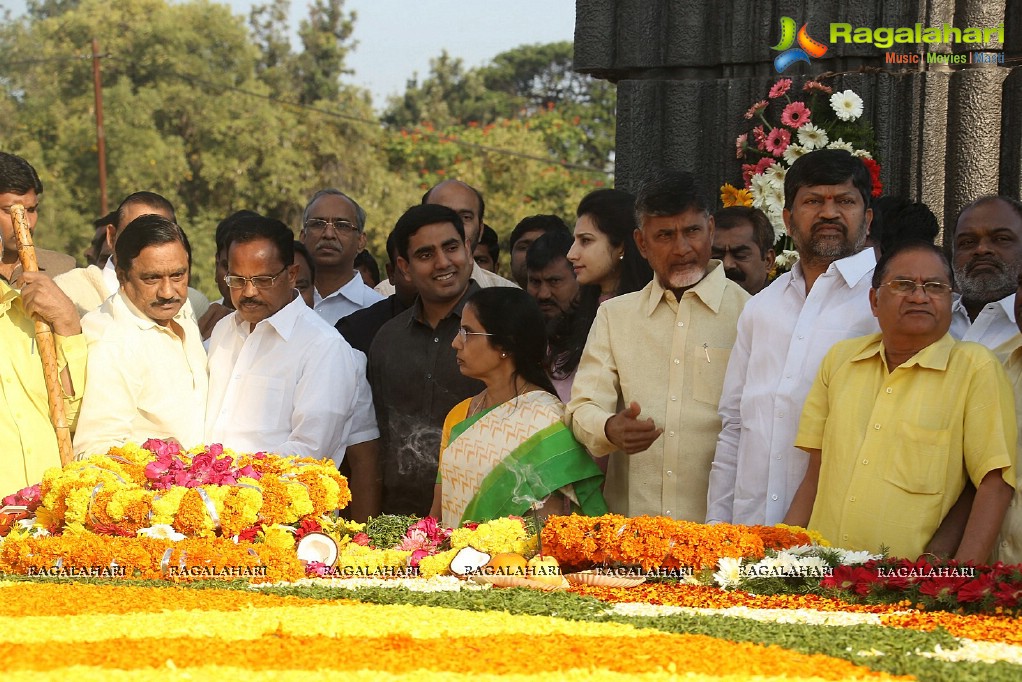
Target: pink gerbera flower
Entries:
(740, 146)
(756, 108)
(780, 88)
(817, 86)
(777, 141)
(795, 115)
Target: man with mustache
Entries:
(652, 370)
(333, 229)
(898, 422)
(280, 378)
(147, 367)
(783, 334)
(987, 262)
(743, 240)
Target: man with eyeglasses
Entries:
(333, 229)
(896, 423)
(280, 379)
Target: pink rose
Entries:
(216, 449)
(361, 539)
(417, 556)
(248, 471)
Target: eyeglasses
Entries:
(319, 225)
(906, 287)
(463, 334)
(259, 281)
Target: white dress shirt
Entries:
(288, 386)
(353, 296)
(143, 380)
(782, 338)
(994, 325)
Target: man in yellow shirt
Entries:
(28, 445)
(915, 414)
(1009, 542)
(660, 353)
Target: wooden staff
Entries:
(44, 341)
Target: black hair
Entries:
(903, 247)
(249, 228)
(613, 213)
(109, 219)
(17, 176)
(392, 248)
(419, 216)
(491, 241)
(827, 167)
(144, 231)
(547, 248)
(516, 326)
(734, 216)
(360, 213)
(479, 196)
(544, 222)
(667, 193)
(1014, 204)
(303, 250)
(224, 227)
(897, 219)
(150, 199)
(365, 258)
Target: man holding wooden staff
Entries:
(28, 444)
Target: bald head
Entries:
(464, 200)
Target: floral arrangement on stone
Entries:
(786, 127)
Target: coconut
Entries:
(467, 561)
(317, 547)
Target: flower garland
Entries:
(802, 126)
(205, 492)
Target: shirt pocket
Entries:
(919, 464)
(261, 404)
(709, 364)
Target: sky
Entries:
(397, 38)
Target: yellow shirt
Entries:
(144, 380)
(28, 445)
(896, 448)
(669, 356)
(1009, 542)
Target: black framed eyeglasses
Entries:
(319, 225)
(259, 281)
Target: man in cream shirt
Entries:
(660, 353)
(88, 287)
(147, 368)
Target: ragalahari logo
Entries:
(807, 47)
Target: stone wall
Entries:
(686, 71)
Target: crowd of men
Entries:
(864, 393)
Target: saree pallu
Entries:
(505, 460)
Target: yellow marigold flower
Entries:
(278, 536)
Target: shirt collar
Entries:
(710, 289)
(7, 296)
(110, 276)
(353, 290)
(934, 356)
(851, 268)
(283, 321)
(455, 311)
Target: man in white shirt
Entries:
(88, 287)
(783, 334)
(280, 379)
(147, 368)
(333, 229)
(987, 262)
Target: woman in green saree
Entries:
(506, 450)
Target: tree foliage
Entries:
(219, 114)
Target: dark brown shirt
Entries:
(416, 381)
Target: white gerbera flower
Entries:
(811, 137)
(793, 152)
(161, 531)
(841, 144)
(729, 573)
(847, 105)
(849, 558)
(814, 567)
(759, 186)
(862, 154)
(775, 174)
(786, 259)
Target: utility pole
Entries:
(97, 87)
